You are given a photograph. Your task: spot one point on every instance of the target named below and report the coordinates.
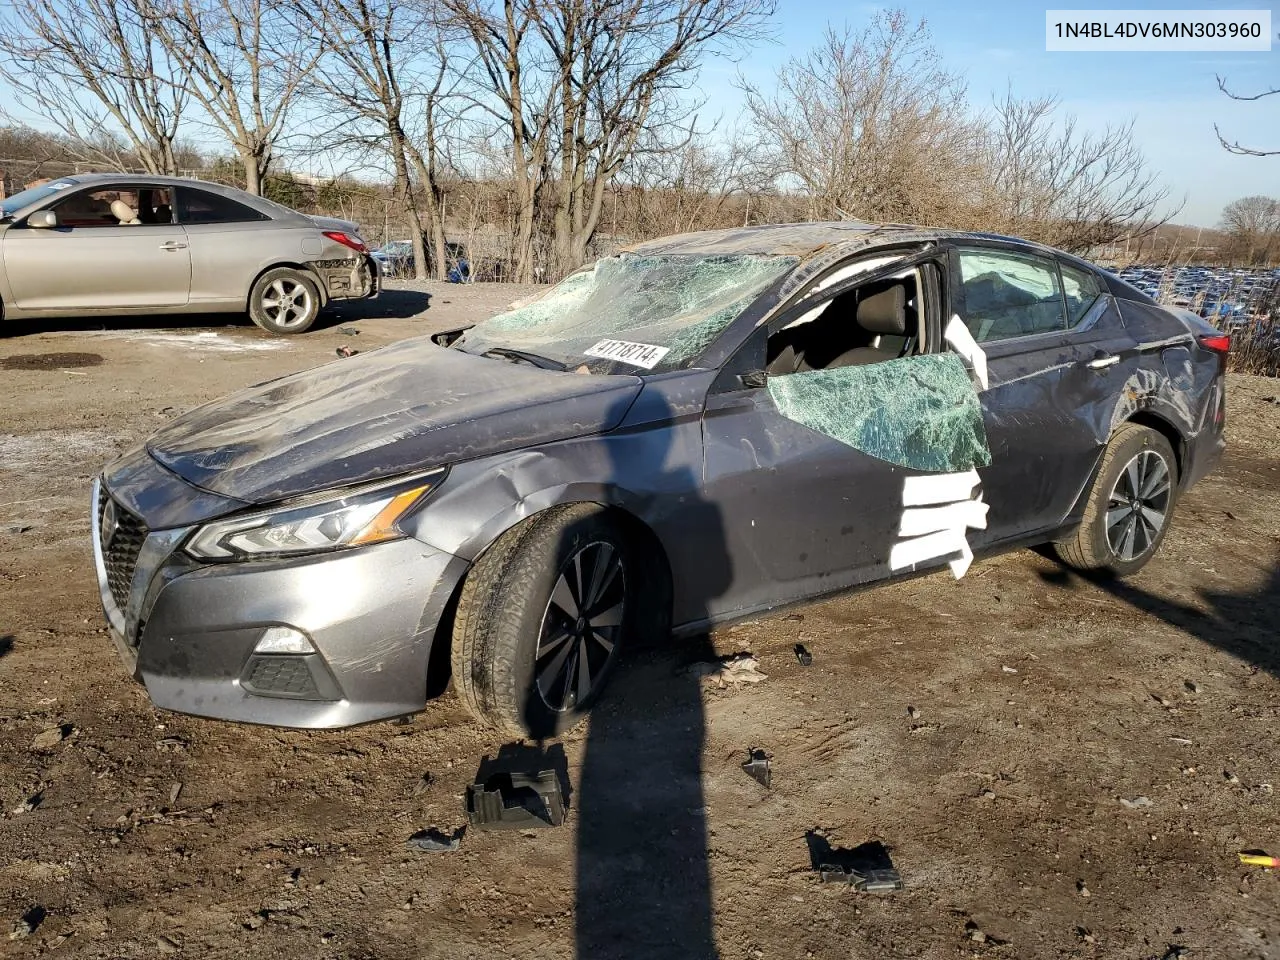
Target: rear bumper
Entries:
(190, 630)
(352, 278)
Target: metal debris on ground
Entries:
(803, 655)
(436, 841)
(349, 331)
(759, 767)
(729, 671)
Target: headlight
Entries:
(361, 516)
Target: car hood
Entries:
(406, 407)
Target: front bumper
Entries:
(188, 630)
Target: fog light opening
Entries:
(284, 640)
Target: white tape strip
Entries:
(938, 488)
(911, 553)
(960, 565)
(921, 520)
(962, 342)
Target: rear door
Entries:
(100, 256)
(1058, 357)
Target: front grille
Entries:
(120, 549)
(282, 676)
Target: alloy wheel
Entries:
(286, 303)
(581, 626)
(1138, 505)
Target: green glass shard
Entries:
(918, 412)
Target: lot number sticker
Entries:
(644, 355)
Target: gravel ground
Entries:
(1057, 768)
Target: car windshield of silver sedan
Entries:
(640, 312)
(11, 205)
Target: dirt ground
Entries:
(1057, 768)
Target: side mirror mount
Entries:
(754, 379)
(43, 220)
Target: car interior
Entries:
(115, 208)
(873, 322)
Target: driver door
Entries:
(93, 260)
(805, 513)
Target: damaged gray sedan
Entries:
(703, 428)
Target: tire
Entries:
(284, 301)
(1135, 456)
(515, 643)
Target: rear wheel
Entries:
(541, 619)
(285, 301)
(1129, 507)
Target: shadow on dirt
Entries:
(6, 645)
(643, 876)
(390, 304)
(1241, 624)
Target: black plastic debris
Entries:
(759, 767)
(436, 841)
(523, 787)
(866, 868)
(803, 655)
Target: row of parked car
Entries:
(1212, 292)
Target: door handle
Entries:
(1102, 360)
(172, 245)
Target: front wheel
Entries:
(541, 619)
(1129, 507)
(285, 301)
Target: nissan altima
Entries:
(701, 428)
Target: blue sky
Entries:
(1172, 97)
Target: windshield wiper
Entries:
(546, 363)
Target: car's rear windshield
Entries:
(640, 312)
(11, 205)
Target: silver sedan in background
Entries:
(113, 244)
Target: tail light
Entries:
(1217, 342)
(347, 240)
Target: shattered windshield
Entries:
(641, 312)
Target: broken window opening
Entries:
(854, 369)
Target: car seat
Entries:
(124, 213)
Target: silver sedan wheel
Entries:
(1138, 505)
(287, 303)
(581, 626)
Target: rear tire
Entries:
(284, 301)
(541, 619)
(1130, 505)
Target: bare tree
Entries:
(624, 72)
(383, 59)
(1233, 146)
(1252, 226)
(96, 72)
(244, 61)
(869, 125)
(578, 85)
(1053, 182)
